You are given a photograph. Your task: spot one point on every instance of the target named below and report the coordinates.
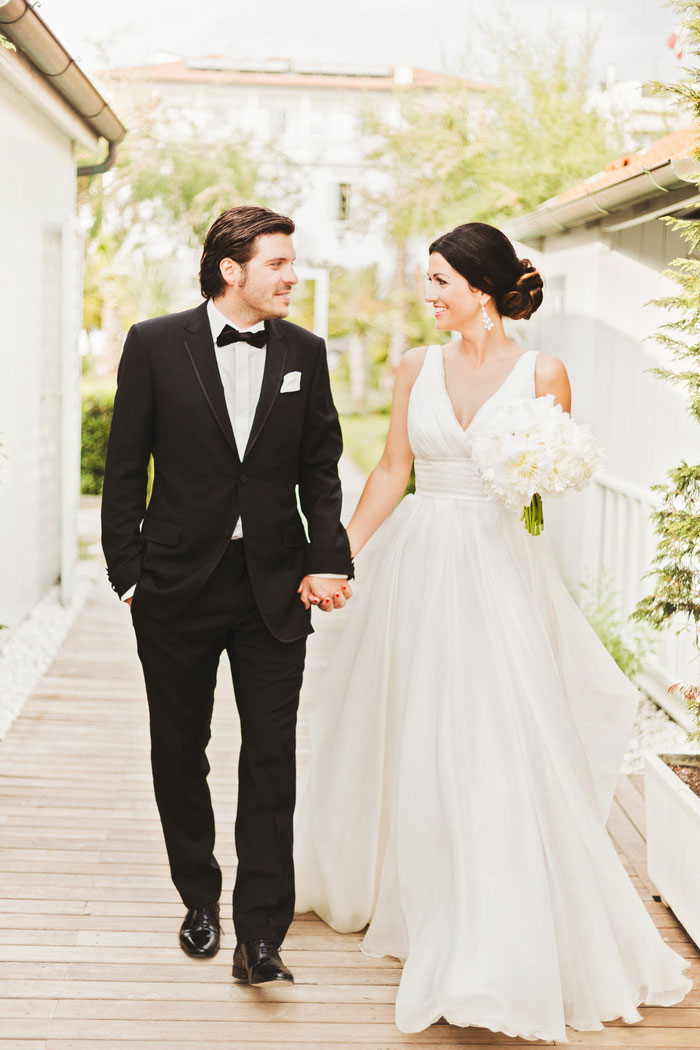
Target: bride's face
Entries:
(455, 303)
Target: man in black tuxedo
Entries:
(234, 405)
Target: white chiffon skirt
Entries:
(464, 751)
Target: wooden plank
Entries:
(199, 1031)
(628, 840)
(637, 1037)
(217, 970)
(24, 1044)
(253, 1009)
(40, 936)
(681, 1016)
(11, 905)
(27, 1008)
(299, 934)
(174, 955)
(397, 1042)
(193, 993)
(33, 971)
(632, 802)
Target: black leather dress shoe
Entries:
(258, 962)
(200, 932)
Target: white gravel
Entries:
(655, 731)
(27, 651)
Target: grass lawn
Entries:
(364, 436)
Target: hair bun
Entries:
(525, 298)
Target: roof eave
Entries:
(35, 42)
(558, 215)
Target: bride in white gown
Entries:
(465, 744)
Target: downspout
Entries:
(20, 23)
(100, 169)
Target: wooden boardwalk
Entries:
(88, 938)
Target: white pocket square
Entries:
(290, 382)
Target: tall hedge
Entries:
(97, 418)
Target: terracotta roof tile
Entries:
(682, 143)
(181, 72)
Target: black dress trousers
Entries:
(180, 660)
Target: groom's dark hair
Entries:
(233, 236)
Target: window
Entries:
(343, 201)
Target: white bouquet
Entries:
(529, 448)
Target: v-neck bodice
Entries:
(441, 446)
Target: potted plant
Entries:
(672, 793)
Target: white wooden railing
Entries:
(626, 543)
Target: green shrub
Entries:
(627, 642)
(97, 418)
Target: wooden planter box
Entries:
(673, 838)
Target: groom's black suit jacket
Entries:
(170, 403)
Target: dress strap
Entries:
(526, 377)
(432, 362)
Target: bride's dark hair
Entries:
(487, 260)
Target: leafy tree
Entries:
(460, 155)
(302, 308)
(430, 161)
(429, 164)
(358, 310)
(157, 202)
(676, 566)
(181, 185)
(543, 133)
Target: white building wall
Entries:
(38, 177)
(596, 316)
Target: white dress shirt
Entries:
(241, 367)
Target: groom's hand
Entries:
(327, 594)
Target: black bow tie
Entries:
(232, 335)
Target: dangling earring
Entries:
(488, 323)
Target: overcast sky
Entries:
(433, 34)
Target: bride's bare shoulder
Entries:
(411, 364)
(551, 378)
(549, 368)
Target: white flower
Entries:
(529, 446)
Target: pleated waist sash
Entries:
(449, 479)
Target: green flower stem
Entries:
(533, 515)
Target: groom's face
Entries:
(268, 277)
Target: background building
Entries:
(310, 115)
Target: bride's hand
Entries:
(327, 594)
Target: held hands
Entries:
(315, 590)
(326, 594)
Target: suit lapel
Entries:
(275, 355)
(200, 349)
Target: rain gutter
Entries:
(556, 215)
(20, 23)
